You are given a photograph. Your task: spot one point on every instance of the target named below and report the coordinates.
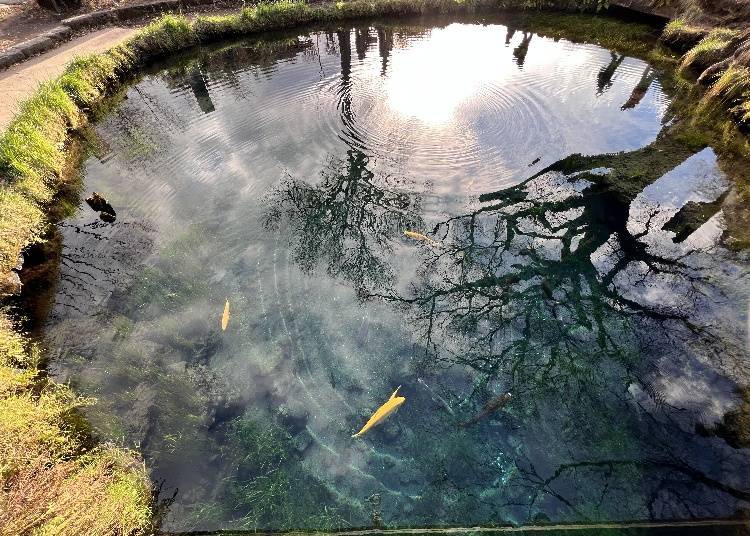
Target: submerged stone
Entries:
(99, 204)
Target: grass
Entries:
(52, 482)
(682, 36)
(716, 46)
(733, 90)
(722, 59)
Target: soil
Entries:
(28, 20)
(726, 12)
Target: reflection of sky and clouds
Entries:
(282, 176)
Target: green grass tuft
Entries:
(47, 487)
(715, 47)
(166, 34)
(733, 89)
(682, 36)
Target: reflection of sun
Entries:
(434, 76)
(430, 80)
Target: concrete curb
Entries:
(49, 40)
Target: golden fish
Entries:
(419, 236)
(225, 317)
(383, 411)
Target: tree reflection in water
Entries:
(349, 221)
(564, 290)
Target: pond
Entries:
(463, 209)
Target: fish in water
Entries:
(382, 412)
(547, 291)
(436, 397)
(420, 237)
(225, 317)
(491, 406)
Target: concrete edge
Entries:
(87, 21)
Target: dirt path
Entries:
(25, 19)
(19, 81)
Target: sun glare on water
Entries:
(431, 79)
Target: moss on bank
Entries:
(713, 48)
(720, 59)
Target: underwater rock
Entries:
(142, 415)
(226, 411)
(99, 204)
(493, 405)
(302, 442)
(179, 366)
(294, 418)
(10, 284)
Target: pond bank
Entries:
(20, 81)
(33, 159)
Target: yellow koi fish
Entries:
(419, 236)
(383, 411)
(225, 317)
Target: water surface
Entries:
(281, 175)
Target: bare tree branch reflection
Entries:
(544, 290)
(347, 221)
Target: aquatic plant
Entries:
(271, 490)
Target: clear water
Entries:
(282, 174)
